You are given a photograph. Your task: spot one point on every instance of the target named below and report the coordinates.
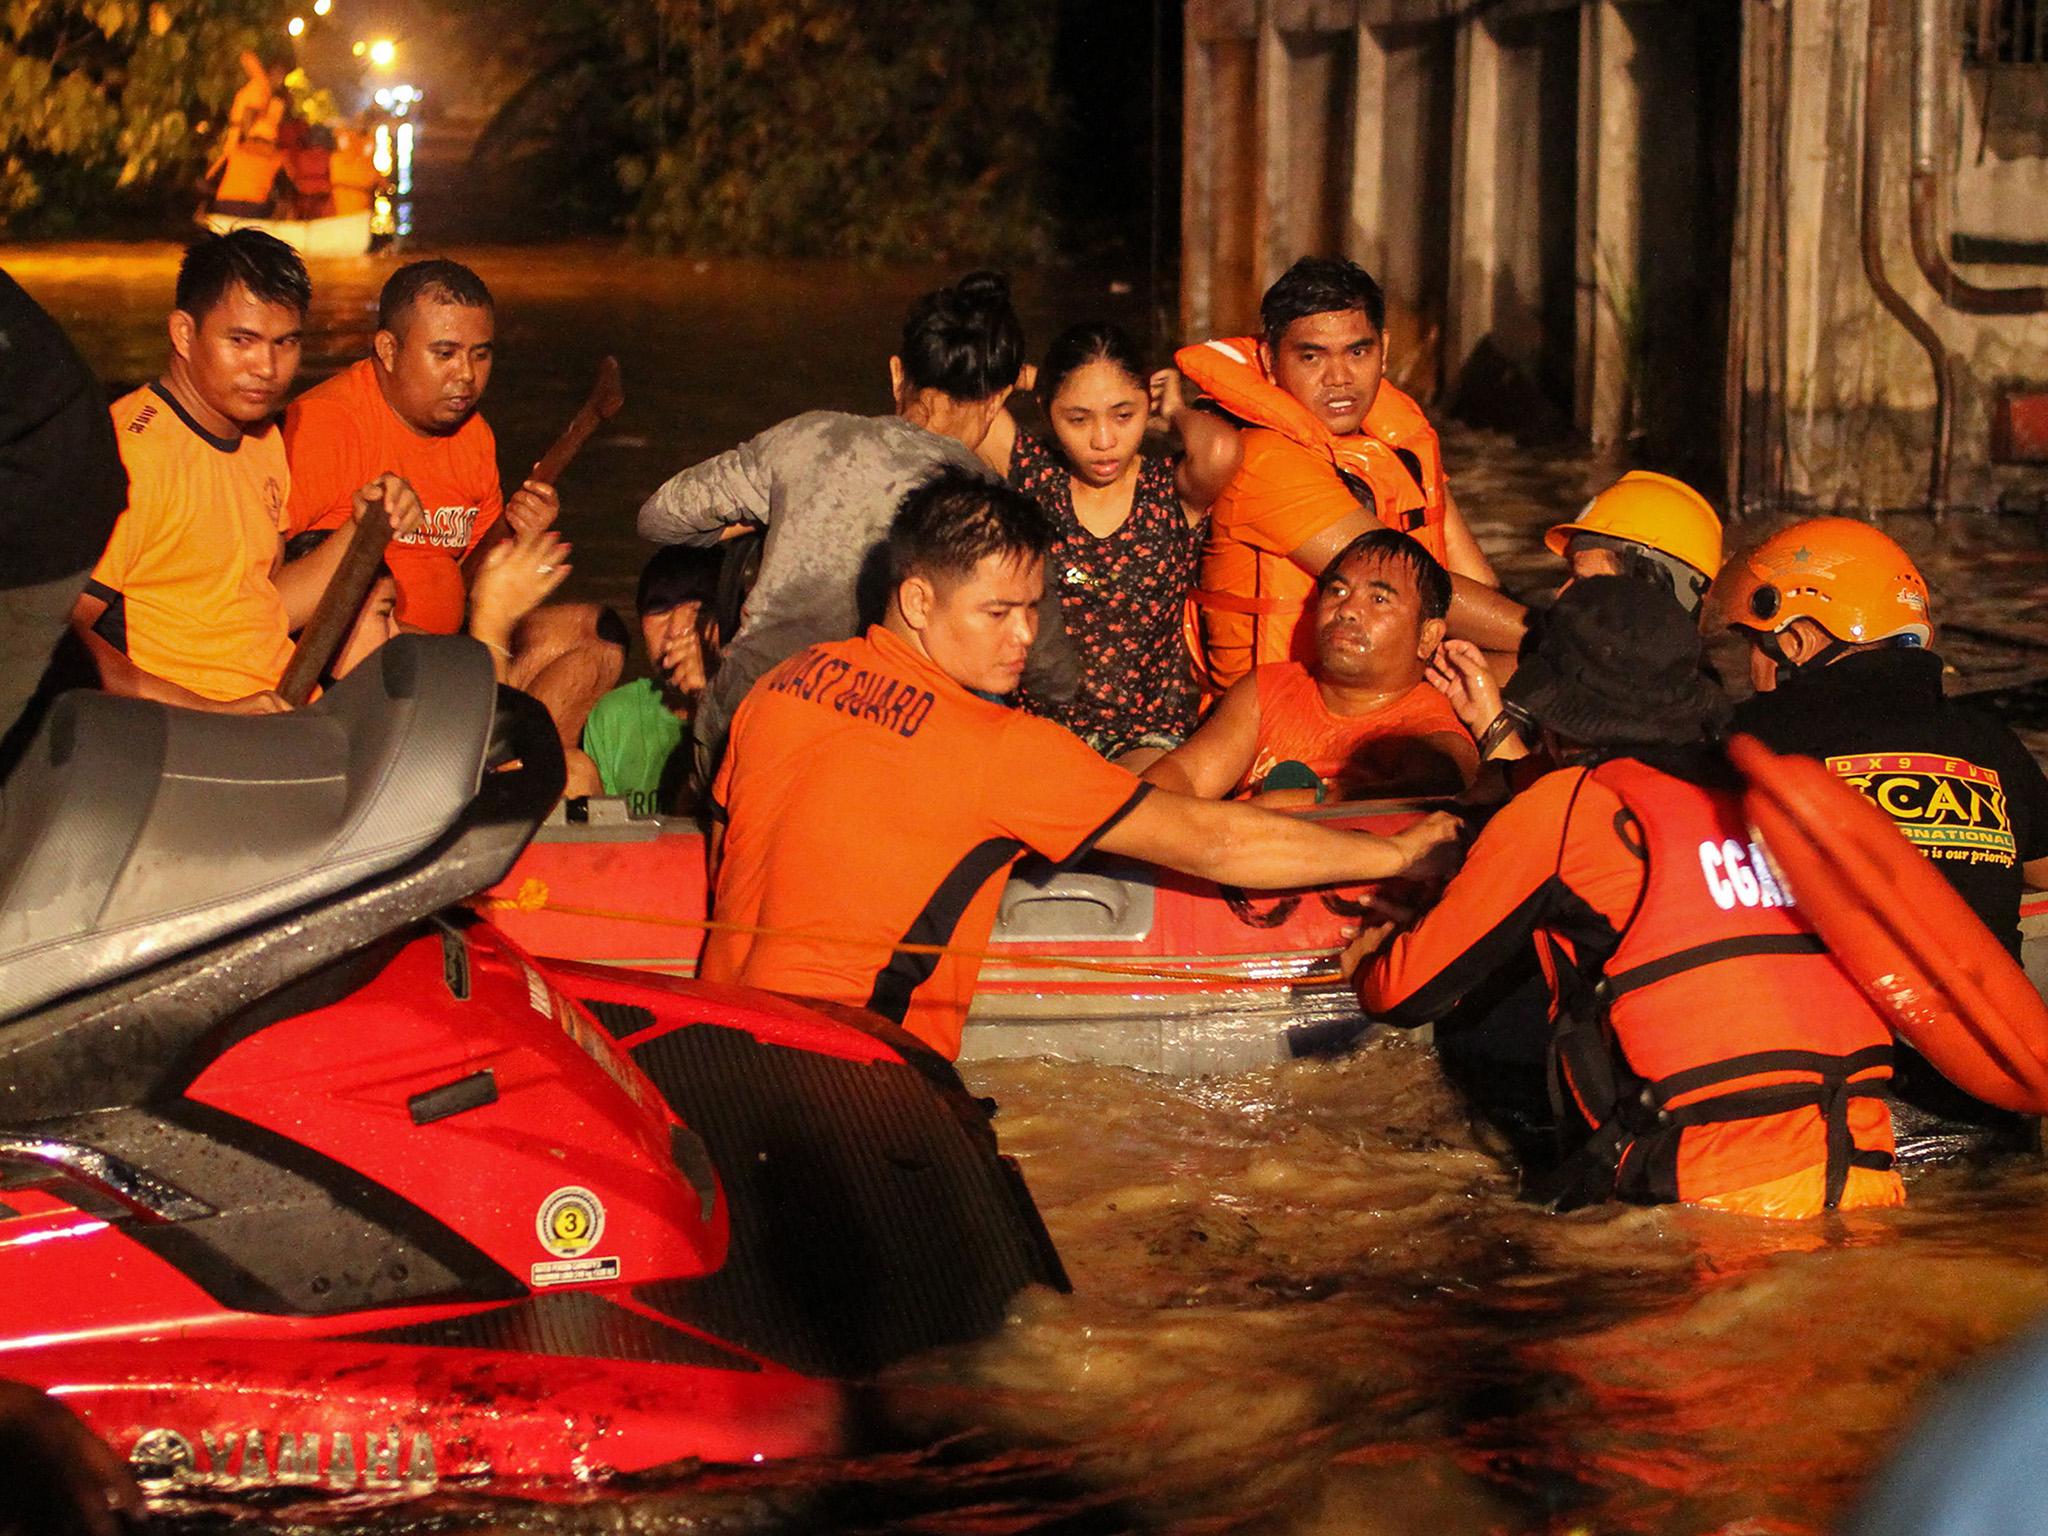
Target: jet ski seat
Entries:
(132, 832)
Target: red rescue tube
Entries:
(1899, 929)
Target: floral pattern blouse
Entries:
(1123, 598)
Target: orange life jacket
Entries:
(248, 182)
(1722, 1056)
(1252, 598)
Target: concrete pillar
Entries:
(1270, 235)
(1365, 240)
(1609, 261)
(1475, 193)
(1197, 179)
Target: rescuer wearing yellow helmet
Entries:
(1841, 627)
(1645, 525)
(1644, 519)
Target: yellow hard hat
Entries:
(1652, 510)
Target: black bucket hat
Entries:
(1617, 663)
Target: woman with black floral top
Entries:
(1129, 540)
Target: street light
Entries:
(322, 7)
(382, 52)
(360, 48)
(296, 26)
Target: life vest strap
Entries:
(1824, 1066)
(1679, 961)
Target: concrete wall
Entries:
(1646, 211)
(1856, 424)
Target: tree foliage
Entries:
(98, 96)
(888, 128)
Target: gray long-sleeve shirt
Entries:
(824, 486)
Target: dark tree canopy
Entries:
(98, 96)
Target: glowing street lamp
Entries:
(360, 49)
(382, 52)
(322, 7)
(296, 26)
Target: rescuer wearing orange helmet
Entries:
(1841, 628)
(1645, 525)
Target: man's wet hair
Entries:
(261, 263)
(952, 522)
(1092, 341)
(1320, 285)
(439, 280)
(678, 574)
(964, 341)
(1391, 547)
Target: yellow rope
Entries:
(533, 896)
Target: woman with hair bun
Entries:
(823, 486)
(1129, 541)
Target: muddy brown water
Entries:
(1305, 1299)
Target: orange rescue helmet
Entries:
(1652, 510)
(1848, 578)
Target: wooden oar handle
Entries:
(607, 394)
(321, 639)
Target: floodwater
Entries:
(1305, 1299)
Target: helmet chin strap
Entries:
(1770, 642)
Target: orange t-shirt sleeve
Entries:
(325, 450)
(1291, 494)
(123, 545)
(491, 504)
(1048, 790)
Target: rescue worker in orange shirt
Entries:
(872, 797)
(1330, 450)
(412, 407)
(192, 603)
(1706, 1044)
(1647, 526)
(1362, 721)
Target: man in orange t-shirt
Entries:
(1363, 721)
(411, 408)
(192, 602)
(872, 798)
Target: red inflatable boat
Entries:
(1111, 962)
(309, 1177)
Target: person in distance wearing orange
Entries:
(1840, 629)
(1709, 1048)
(1361, 721)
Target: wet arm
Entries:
(1463, 554)
(1211, 452)
(1486, 616)
(1488, 913)
(699, 505)
(1236, 844)
(1214, 760)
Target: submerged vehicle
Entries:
(311, 1177)
(1111, 961)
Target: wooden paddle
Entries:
(322, 637)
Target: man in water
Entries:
(1708, 1048)
(873, 798)
(1362, 721)
(413, 406)
(192, 602)
(1840, 626)
(1333, 450)
(825, 484)
(1646, 526)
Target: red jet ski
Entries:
(310, 1177)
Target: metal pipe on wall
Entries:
(1956, 291)
(1872, 229)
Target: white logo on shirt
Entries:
(444, 528)
(1740, 875)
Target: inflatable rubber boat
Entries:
(1111, 961)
